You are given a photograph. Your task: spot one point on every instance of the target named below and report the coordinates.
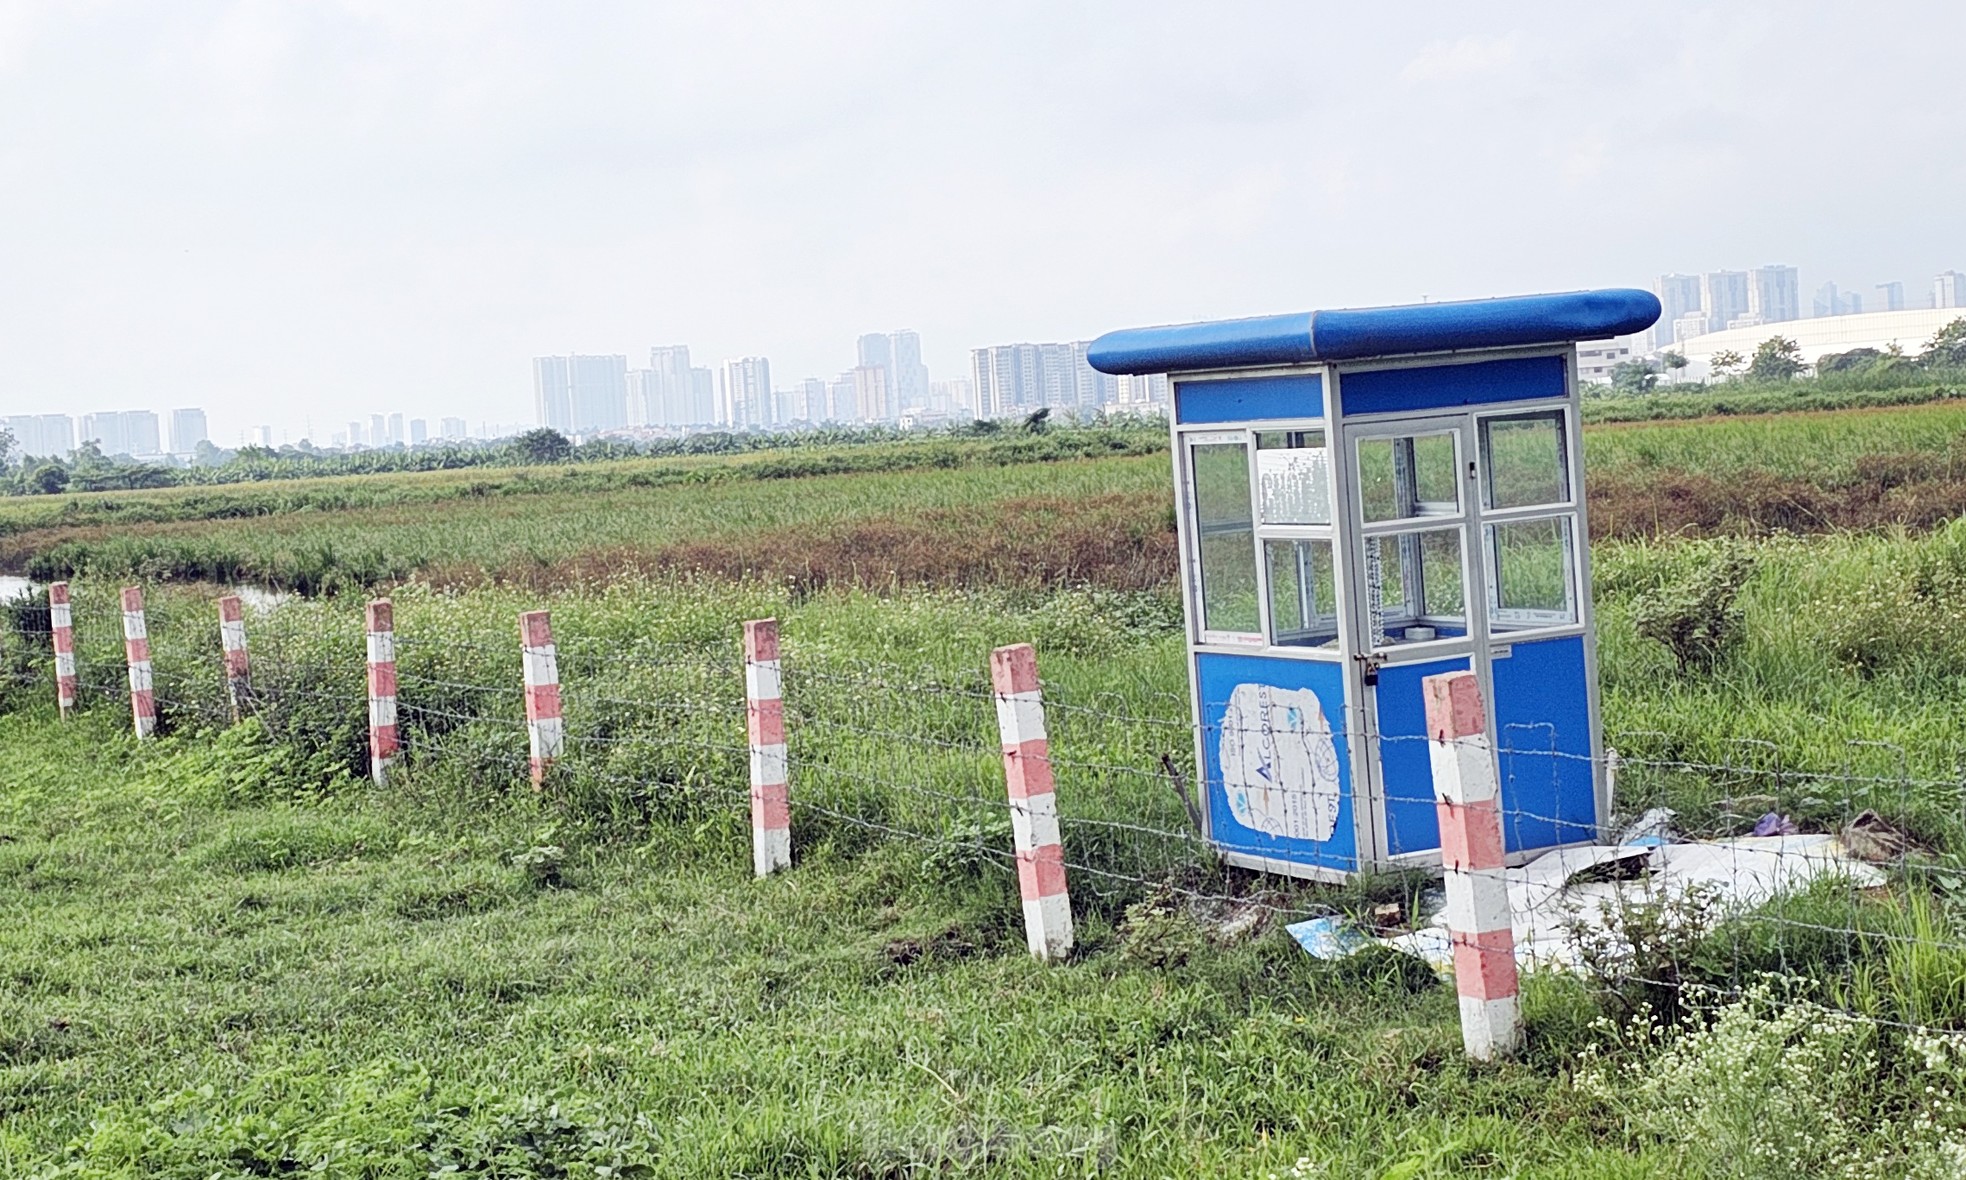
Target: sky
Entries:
(300, 213)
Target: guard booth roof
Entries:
(1349, 334)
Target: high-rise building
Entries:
(355, 436)
(669, 390)
(124, 432)
(1949, 289)
(396, 433)
(188, 429)
(1830, 301)
(419, 432)
(702, 397)
(453, 429)
(1145, 391)
(873, 401)
(840, 398)
(1775, 294)
(1891, 296)
(1679, 295)
(1017, 378)
(378, 431)
(744, 393)
(808, 401)
(581, 394)
(954, 397)
(1724, 297)
(908, 376)
(42, 436)
(263, 435)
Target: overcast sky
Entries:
(285, 211)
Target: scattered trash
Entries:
(1873, 838)
(1331, 937)
(1774, 824)
(1559, 892)
(1389, 918)
(1653, 828)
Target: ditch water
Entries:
(13, 586)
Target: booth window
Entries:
(1408, 476)
(1225, 537)
(1303, 592)
(1293, 473)
(1414, 586)
(1531, 558)
(1523, 456)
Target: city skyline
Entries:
(354, 206)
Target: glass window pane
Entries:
(1293, 472)
(1226, 538)
(1409, 476)
(1414, 584)
(1531, 562)
(1524, 459)
(1303, 592)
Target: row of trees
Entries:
(1779, 359)
(87, 469)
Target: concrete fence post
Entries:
(1033, 801)
(544, 728)
(232, 637)
(136, 650)
(1468, 797)
(382, 689)
(771, 796)
(61, 620)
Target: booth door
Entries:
(1415, 582)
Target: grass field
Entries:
(1035, 512)
(229, 956)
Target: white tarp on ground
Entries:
(1553, 896)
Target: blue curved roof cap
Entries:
(1351, 334)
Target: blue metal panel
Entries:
(1257, 707)
(1247, 399)
(1360, 333)
(1405, 765)
(1436, 387)
(1543, 744)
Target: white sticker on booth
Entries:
(1279, 762)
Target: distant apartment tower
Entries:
(378, 431)
(1775, 294)
(188, 429)
(1723, 297)
(419, 432)
(806, 402)
(124, 432)
(1949, 289)
(453, 429)
(355, 436)
(1891, 296)
(1142, 392)
(1830, 301)
(744, 396)
(673, 393)
(840, 398)
(954, 397)
(581, 394)
(898, 354)
(1679, 296)
(1018, 378)
(42, 436)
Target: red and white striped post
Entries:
(544, 727)
(232, 637)
(771, 794)
(61, 620)
(1468, 797)
(1033, 801)
(382, 689)
(136, 649)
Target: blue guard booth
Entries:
(1369, 497)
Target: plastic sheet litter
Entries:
(1562, 894)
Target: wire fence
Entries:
(1745, 867)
